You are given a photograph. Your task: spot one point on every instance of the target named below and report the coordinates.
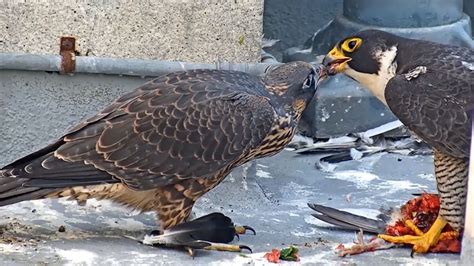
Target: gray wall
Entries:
(38, 107)
(469, 9)
(294, 22)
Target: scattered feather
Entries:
(355, 154)
(267, 43)
(380, 129)
(349, 197)
(345, 142)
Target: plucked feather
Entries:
(348, 220)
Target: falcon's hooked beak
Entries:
(335, 61)
(322, 72)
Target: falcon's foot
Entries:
(422, 242)
(217, 246)
(211, 232)
(226, 247)
(242, 229)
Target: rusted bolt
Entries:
(67, 50)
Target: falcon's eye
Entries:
(309, 81)
(350, 45)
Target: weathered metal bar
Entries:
(119, 66)
(67, 50)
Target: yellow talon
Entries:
(410, 224)
(422, 241)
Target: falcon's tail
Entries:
(13, 191)
(346, 220)
(38, 175)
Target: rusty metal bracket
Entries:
(68, 54)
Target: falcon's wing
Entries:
(183, 125)
(436, 104)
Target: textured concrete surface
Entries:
(37, 106)
(186, 30)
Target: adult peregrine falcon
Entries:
(162, 146)
(430, 88)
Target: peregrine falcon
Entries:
(430, 88)
(165, 144)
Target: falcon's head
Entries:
(293, 85)
(369, 57)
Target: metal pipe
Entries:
(119, 66)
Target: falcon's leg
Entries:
(212, 232)
(451, 178)
(175, 217)
(227, 247)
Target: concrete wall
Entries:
(186, 30)
(38, 107)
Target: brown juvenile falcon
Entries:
(430, 88)
(162, 146)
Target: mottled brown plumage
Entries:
(430, 88)
(165, 144)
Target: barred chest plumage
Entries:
(279, 136)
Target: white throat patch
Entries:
(376, 83)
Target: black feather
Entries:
(214, 227)
(25, 194)
(347, 220)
